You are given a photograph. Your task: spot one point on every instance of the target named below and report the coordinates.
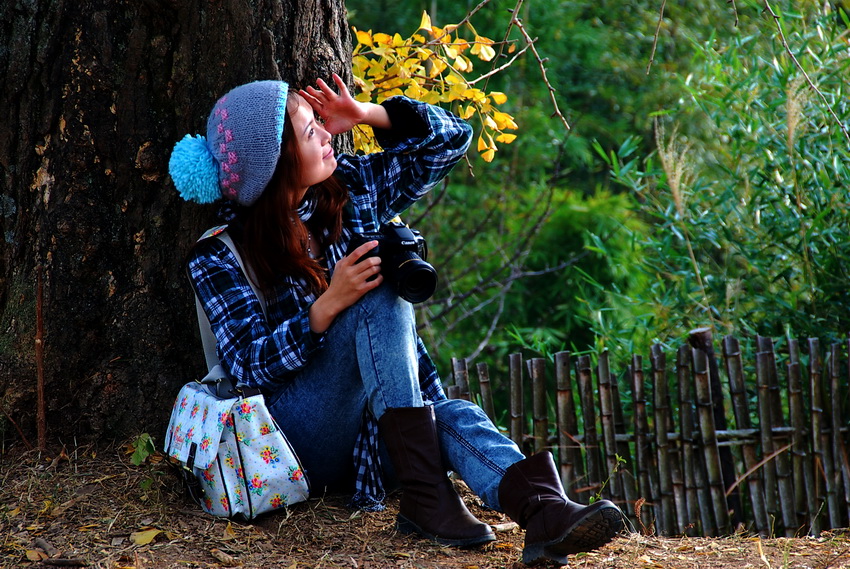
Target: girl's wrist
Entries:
(321, 314)
(376, 116)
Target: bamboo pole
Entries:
(461, 375)
(588, 410)
(624, 449)
(643, 452)
(740, 407)
(804, 485)
(844, 463)
(783, 460)
(816, 398)
(486, 390)
(569, 452)
(766, 438)
(691, 514)
(839, 452)
(832, 489)
(679, 498)
(702, 338)
(516, 402)
(708, 430)
(609, 433)
(662, 445)
(540, 413)
(820, 439)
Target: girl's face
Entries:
(318, 162)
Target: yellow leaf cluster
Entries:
(435, 69)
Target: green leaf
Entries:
(143, 447)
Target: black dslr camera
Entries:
(402, 252)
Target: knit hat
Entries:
(238, 157)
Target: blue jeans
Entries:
(369, 363)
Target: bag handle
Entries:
(216, 374)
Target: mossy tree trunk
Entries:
(95, 94)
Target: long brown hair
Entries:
(274, 239)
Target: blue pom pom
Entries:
(194, 170)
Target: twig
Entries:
(66, 562)
(464, 20)
(811, 83)
(541, 63)
(490, 282)
(735, 10)
(506, 38)
(39, 360)
(500, 68)
(755, 467)
(655, 39)
(494, 322)
(17, 428)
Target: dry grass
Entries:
(94, 509)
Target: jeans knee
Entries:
(385, 303)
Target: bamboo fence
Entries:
(681, 450)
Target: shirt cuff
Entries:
(408, 122)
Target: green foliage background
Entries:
(744, 229)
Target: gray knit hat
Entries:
(238, 157)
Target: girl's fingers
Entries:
(311, 99)
(325, 88)
(340, 84)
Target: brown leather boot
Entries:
(531, 494)
(429, 504)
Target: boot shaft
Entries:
(429, 504)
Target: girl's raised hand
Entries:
(339, 111)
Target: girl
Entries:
(336, 353)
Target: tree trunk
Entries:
(95, 94)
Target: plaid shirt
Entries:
(266, 350)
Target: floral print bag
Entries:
(235, 458)
(243, 463)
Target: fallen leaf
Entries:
(48, 505)
(36, 555)
(62, 508)
(229, 532)
(144, 537)
(223, 557)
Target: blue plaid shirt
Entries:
(265, 351)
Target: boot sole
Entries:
(408, 527)
(589, 533)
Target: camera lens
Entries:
(415, 279)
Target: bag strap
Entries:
(216, 374)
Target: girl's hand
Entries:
(341, 112)
(353, 277)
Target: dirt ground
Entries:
(91, 508)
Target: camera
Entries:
(402, 252)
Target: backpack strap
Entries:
(217, 374)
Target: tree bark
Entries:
(95, 94)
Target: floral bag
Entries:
(236, 460)
(242, 463)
